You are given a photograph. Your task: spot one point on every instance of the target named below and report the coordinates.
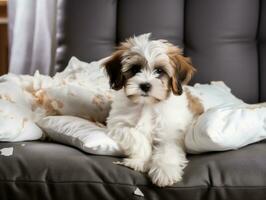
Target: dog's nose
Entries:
(145, 87)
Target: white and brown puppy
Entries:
(150, 113)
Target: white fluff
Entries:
(227, 127)
(82, 89)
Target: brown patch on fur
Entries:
(176, 85)
(163, 64)
(194, 103)
(180, 63)
(132, 62)
(113, 68)
(113, 65)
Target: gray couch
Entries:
(226, 40)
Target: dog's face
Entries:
(148, 70)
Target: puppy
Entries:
(150, 111)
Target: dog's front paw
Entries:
(165, 175)
(134, 163)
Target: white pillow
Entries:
(226, 128)
(13, 93)
(77, 100)
(86, 74)
(16, 116)
(81, 133)
(16, 124)
(82, 90)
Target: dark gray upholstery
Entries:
(163, 19)
(47, 171)
(220, 37)
(226, 40)
(262, 50)
(86, 29)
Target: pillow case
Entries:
(82, 90)
(226, 128)
(80, 133)
(16, 124)
(77, 100)
(16, 116)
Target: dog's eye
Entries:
(159, 71)
(135, 69)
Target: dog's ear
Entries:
(113, 68)
(176, 84)
(183, 69)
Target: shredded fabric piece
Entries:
(6, 151)
(138, 192)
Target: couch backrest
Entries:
(225, 39)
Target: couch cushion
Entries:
(41, 170)
(85, 29)
(220, 36)
(262, 50)
(225, 39)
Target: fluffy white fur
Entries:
(152, 136)
(150, 127)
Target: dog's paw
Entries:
(165, 175)
(133, 163)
